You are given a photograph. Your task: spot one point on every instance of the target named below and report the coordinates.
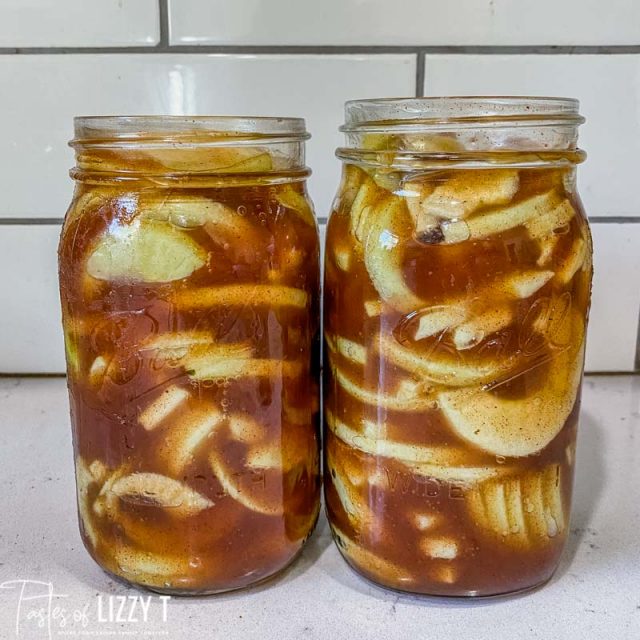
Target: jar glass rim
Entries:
(161, 128)
(478, 111)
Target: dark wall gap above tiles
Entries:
(329, 49)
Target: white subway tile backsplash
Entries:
(78, 23)
(42, 93)
(412, 22)
(608, 87)
(615, 308)
(30, 326)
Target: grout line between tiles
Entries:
(588, 374)
(165, 47)
(420, 64)
(7, 222)
(163, 13)
(320, 219)
(32, 375)
(637, 355)
(614, 219)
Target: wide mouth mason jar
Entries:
(457, 288)
(189, 282)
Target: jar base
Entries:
(204, 592)
(469, 595)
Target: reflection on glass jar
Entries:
(189, 285)
(457, 288)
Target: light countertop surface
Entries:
(50, 587)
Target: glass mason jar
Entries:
(189, 279)
(457, 289)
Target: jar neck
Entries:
(189, 151)
(435, 133)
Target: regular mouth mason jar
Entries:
(189, 282)
(457, 289)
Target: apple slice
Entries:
(85, 478)
(72, 353)
(295, 201)
(186, 435)
(151, 569)
(468, 191)
(352, 178)
(231, 480)
(272, 296)
(371, 563)
(573, 262)
(435, 320)
(440, 547)
(98, 370)
(352, 351)
(385, 232)
(232, 159)
(214, 363)
(523, 511)
(495, 222)
(361, 210)
(190, 212)
(160, 409)
(153, 489)
(550, 220)
(372, 441)
(440, 462)
(430, 143)
(405, 399)
(373, 308)
(293, 449)
(474, 330)
(442, 369)
(146, 251)
(524, 284)
(522, 426)
(355, 508)
(547, 247)
(246, 429)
